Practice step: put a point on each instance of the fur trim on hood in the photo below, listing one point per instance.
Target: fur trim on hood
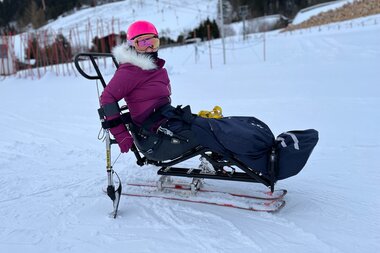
(124, 54)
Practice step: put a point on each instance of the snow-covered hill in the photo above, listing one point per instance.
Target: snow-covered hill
(52, 165)
(172, 17)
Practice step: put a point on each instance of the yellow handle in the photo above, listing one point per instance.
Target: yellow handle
(216, 113)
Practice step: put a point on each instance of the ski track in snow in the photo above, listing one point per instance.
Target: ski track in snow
(185, 222)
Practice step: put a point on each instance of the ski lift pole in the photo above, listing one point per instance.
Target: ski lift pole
(222, 28)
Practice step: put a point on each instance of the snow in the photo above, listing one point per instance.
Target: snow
(307, 13)
(256, 25)
(53, 167)
(172, 17)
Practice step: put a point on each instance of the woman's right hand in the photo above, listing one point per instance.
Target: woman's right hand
(126, 144)
(122, 137)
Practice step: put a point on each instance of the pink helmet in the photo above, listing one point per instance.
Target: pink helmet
(139, 28)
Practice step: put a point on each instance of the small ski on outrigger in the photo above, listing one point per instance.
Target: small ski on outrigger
(257, 201)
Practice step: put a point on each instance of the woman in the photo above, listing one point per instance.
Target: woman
(143, 82)
(140, 79)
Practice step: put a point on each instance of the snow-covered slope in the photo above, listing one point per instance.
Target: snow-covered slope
(52, 165)
(172, 17)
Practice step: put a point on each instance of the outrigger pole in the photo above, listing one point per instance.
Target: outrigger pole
(113, 193)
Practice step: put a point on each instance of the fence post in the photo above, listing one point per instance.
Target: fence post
(209, 44)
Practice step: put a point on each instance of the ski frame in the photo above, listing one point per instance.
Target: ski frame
(167, 168)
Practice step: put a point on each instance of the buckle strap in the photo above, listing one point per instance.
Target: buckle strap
(169, 112)
(185, 113)
(107, 124)
(123, 119)
(166, 132)
(155, 116)
(108, 110)
(113, 110)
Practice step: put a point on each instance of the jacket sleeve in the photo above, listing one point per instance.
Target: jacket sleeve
(114, 92)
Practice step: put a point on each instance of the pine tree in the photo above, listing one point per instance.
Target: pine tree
(10, 10)
(202, 30)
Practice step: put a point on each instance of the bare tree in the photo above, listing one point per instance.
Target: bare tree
(43, 5)
(33, 15)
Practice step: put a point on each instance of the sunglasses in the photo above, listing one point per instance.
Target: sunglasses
(143, 42)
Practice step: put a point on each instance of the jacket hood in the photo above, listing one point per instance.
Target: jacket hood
(124, 54)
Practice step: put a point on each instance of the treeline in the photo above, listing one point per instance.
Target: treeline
(62, 50)
(17, 14)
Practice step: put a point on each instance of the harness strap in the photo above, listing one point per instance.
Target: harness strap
(108, 110)
(107, 124)
(169, 112)
(155, 116)
(166, 111)
(123, 119)
(185, 114)
(112, 110)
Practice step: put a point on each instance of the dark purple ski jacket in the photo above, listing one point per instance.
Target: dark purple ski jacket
(142, 82)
